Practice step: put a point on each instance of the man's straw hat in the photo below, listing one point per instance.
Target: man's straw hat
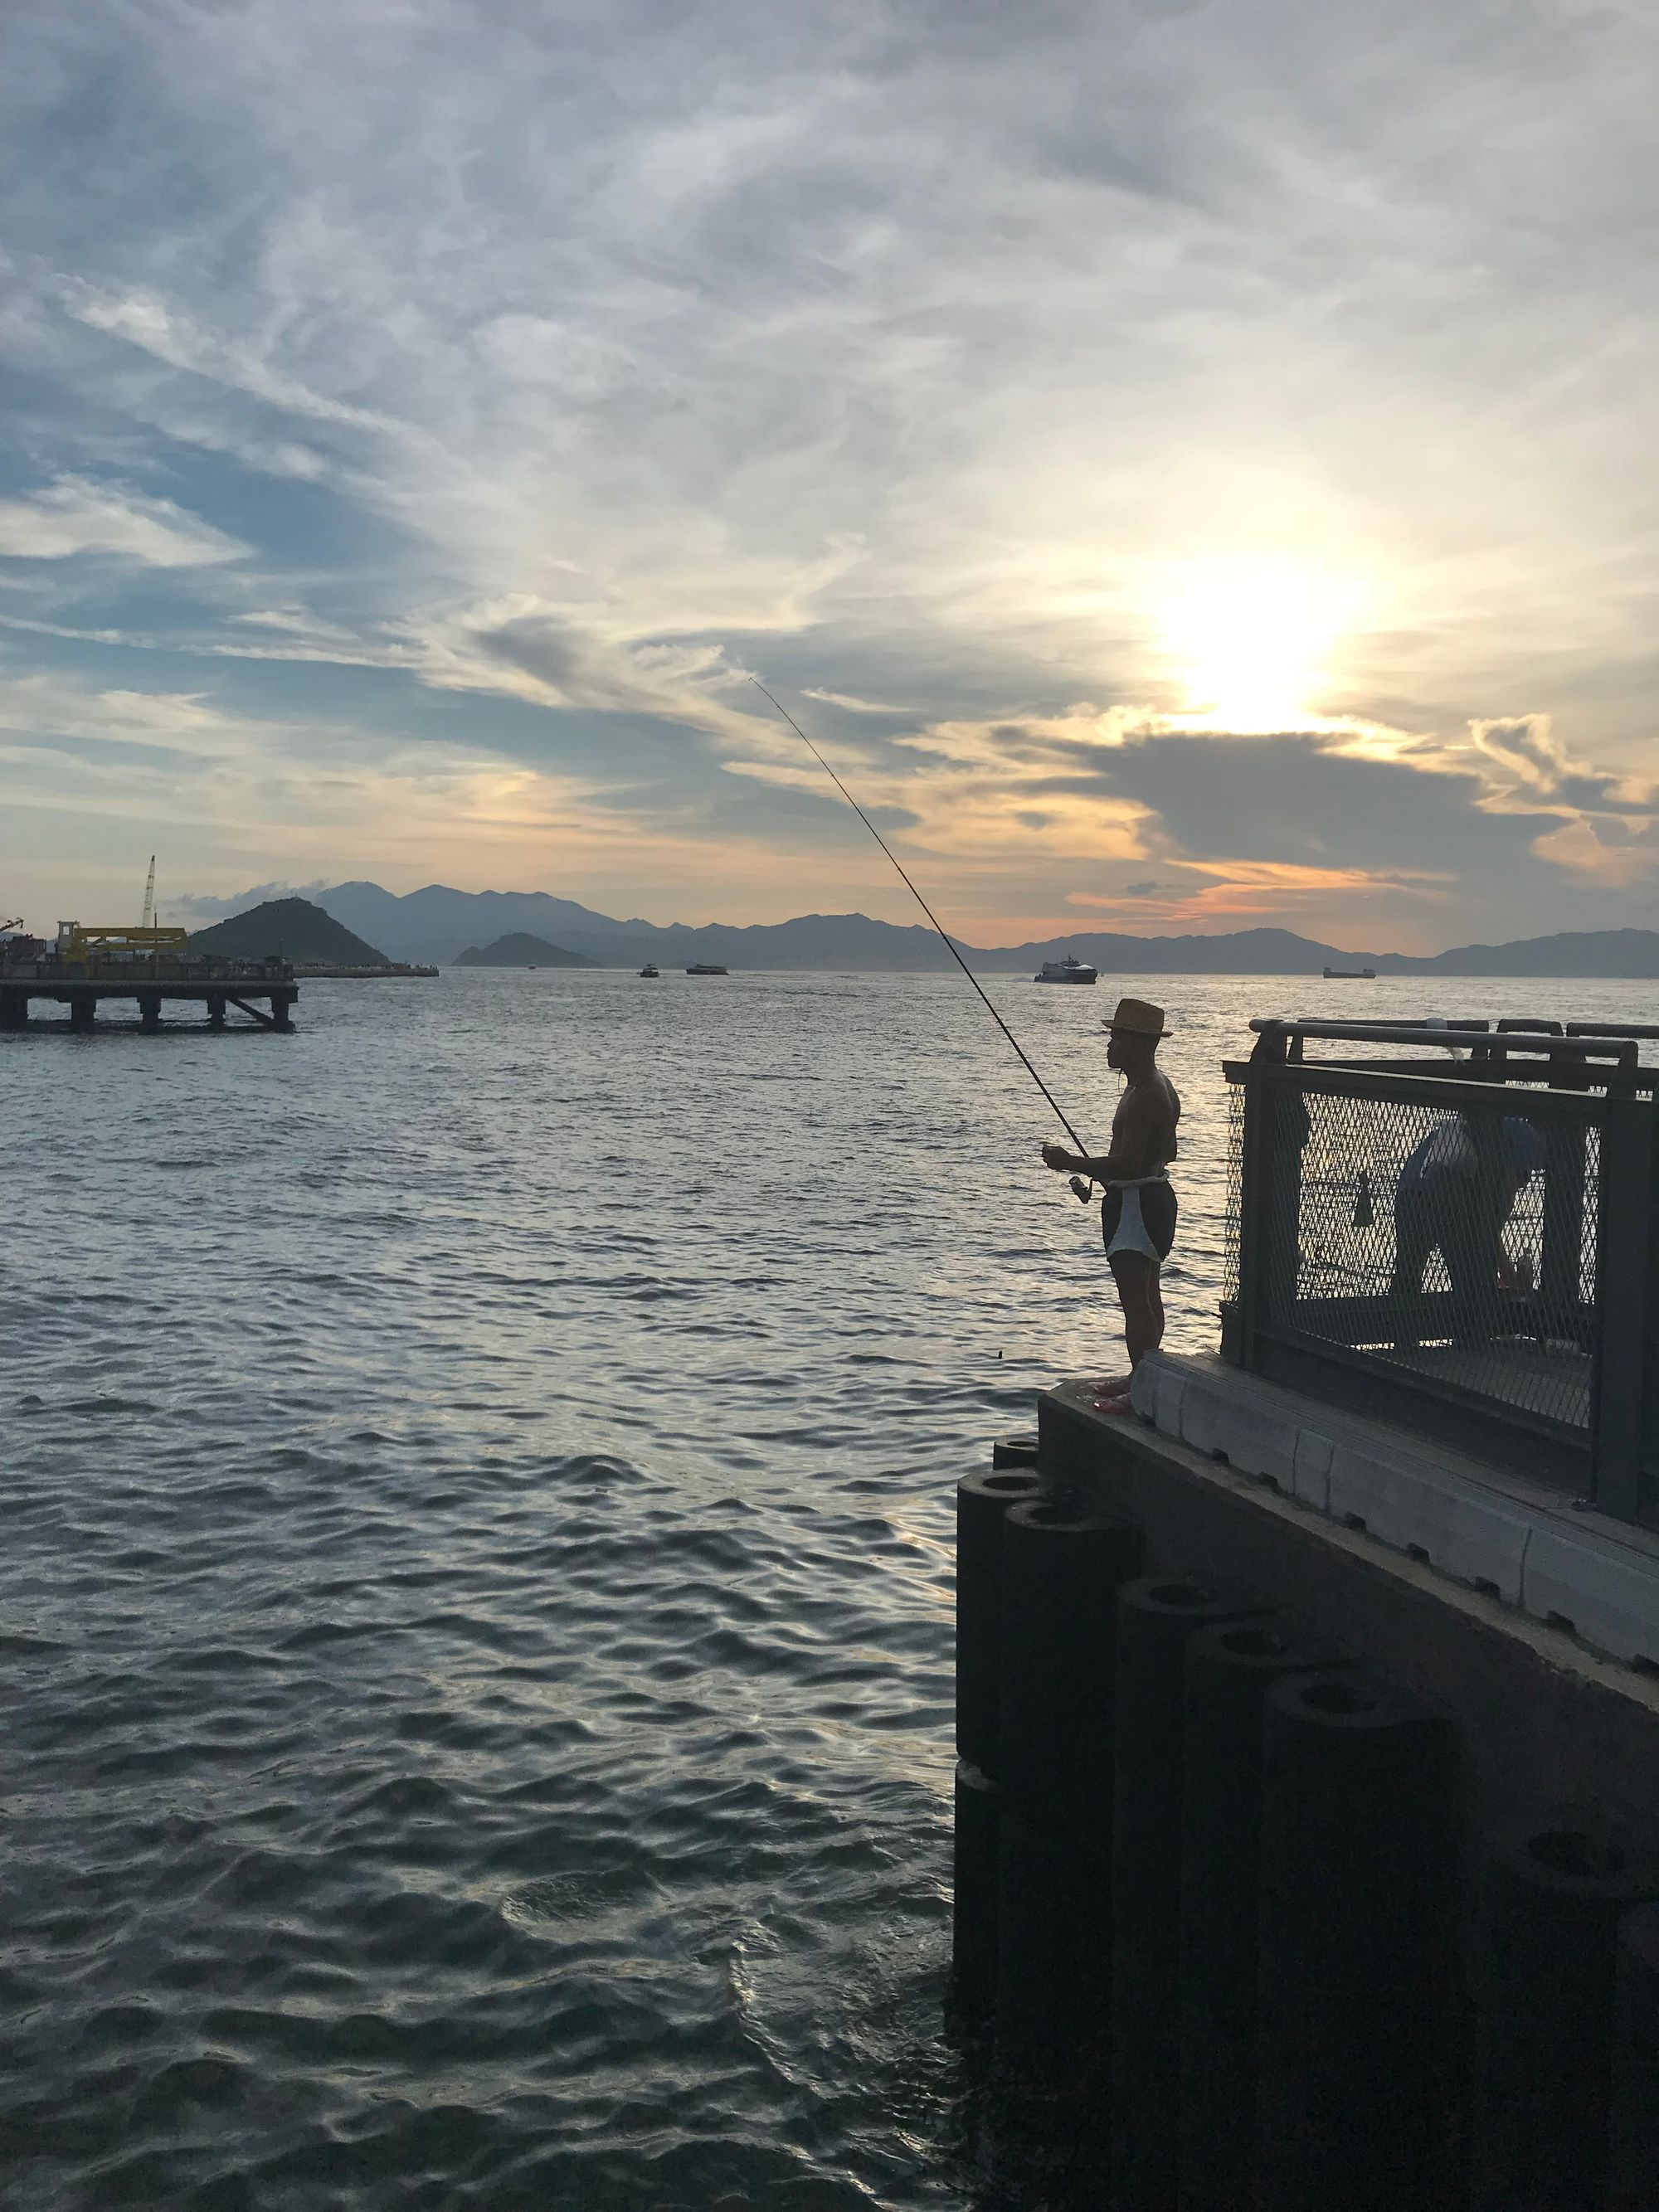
(1139, 1017)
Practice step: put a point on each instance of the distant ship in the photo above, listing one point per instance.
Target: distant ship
(1351, 975)
(1066, 971)
(649, 969)
(707, 968)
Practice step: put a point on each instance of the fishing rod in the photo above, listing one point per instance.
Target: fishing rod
(1077, 1183)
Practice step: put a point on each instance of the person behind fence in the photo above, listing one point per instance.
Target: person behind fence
(1455, 1195)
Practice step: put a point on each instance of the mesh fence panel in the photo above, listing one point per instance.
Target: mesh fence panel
(1459, 1245)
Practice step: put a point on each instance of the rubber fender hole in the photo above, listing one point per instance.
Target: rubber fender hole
(1220, 1457)
(1182, 1594)
(1419, 1552)
(1485, 1584)
(1056, 1514)
(1560, 1620)
(1570, 1850)
(1337, 1698)
(1354, 1521)
(1256, 1642)
(1013, 1481)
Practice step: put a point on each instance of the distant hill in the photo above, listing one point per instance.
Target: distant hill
(293, 929)
(518, 949)
(1633, 954)
(433, 924)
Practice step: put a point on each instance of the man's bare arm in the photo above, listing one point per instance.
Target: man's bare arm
(1132, 1135)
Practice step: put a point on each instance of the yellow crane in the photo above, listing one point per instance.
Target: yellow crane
(86, 941)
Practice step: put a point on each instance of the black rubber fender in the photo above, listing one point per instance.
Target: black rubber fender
(1014, 1451)
(1062, 1567)
(1551, 1892)
(1156, 1617)
(982, 1501)
(1359, 2034)
(974, 1899)
(1053, 1935)
(1633, 2133)
(1227, 1672)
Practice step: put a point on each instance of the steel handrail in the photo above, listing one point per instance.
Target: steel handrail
(1619, 1046)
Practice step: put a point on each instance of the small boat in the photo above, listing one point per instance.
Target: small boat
(707, 968)
(1066, 971)
(1351, 975)
(649, 969)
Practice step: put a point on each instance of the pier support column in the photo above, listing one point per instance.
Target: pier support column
(974, 1899)
(282, 1008)
(1062, 1569)
(1635, 2133)
(14, 1010)
(1547, 1946)
(1358, 2080)
(83, 1013)
(150, 1010)
(1156, 1620)
(982, 1501)
(215, 1006)
(1229, 1672)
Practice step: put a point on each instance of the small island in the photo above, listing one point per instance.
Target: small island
(519, 949)
(304, 935)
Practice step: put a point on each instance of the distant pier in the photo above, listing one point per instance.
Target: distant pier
(262, 992)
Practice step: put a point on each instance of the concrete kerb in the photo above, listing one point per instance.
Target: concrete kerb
(1503, 1536)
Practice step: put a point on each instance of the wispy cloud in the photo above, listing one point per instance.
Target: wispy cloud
(72, 516)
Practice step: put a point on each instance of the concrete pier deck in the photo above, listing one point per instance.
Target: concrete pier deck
(1534, 1623)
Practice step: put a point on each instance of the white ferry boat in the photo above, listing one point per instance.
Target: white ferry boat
(1066, 971)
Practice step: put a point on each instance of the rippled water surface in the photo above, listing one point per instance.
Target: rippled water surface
(476, 1633)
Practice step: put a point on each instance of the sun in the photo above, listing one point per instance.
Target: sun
(1250, 636)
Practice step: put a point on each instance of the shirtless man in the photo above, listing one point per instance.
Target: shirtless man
(1138, 1213)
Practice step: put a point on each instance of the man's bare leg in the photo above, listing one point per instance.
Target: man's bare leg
(1141, 1294)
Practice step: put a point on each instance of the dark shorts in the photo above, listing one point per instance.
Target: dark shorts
(1156, 1204)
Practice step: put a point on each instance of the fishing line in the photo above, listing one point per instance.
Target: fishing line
(1076, 1185)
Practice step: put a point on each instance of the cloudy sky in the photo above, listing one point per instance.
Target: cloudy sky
(1190, 463)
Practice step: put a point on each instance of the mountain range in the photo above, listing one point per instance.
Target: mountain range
(437, 923)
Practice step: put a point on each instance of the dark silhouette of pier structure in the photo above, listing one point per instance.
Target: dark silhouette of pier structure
(263, 991)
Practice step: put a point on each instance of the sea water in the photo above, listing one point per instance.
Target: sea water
(476, 1628)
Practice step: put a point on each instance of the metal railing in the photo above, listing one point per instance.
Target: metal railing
(1461, 1245)
(143, 969)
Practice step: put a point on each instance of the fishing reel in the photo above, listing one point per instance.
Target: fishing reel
(1082, 1192)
